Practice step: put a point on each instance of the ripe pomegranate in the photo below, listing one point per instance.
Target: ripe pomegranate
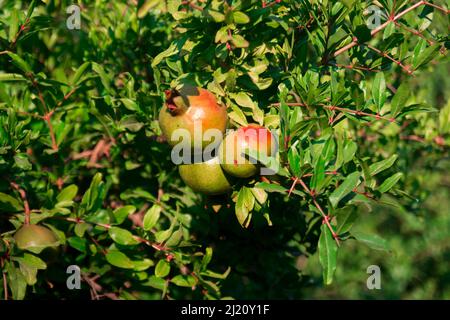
(35, 238)
(189, 107)
(231, 151)
(205, 177)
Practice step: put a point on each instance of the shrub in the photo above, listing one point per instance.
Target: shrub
(359, 120)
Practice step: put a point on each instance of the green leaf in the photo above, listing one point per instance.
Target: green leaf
(67, 194)
(93, 198)
(11, 77)
(207, 258)
(31, 261)
(162, 268)
(294, 161)
(327, 254)
(244, 100)
(104, 77)
(81, 228)
(400, 99)
(238, 116)
(13, 25)
(271, 187)
(259, 194)
(240, 17)
(379, 90)
(373, 241)
(151, 217)
(244, 206)
(239, 41)
(216, 16)
(122, 236)
(389, 182)
(144, 264)
(318, 177)
(172, 50)
(79, 73)
(19, 62)
(184, 280)
(119, 259)
(426, 56)
(8, 203)
(17, 282)
(30, 9)
(77, 243)
(120, 214)
(350, 183)
(382, 165)
(146, 7)
(175, 238)
(22, 162)
(216, 275)
(345, 220)
(155, 282)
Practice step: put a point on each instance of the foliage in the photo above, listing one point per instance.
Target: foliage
(361, 124)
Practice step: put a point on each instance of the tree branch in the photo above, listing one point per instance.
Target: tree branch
(384, 25)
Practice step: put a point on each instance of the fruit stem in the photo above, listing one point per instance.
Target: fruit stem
(26, 206)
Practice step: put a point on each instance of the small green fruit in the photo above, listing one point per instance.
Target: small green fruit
(205, 177)
(35, 238)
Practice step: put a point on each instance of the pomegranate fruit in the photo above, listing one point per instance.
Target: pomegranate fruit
(35, 238)
(194, 110)
(231, 151)
(205, 177)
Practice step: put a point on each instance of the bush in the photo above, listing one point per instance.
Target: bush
(357, 95)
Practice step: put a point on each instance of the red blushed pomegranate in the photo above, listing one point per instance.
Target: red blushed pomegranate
(231, 151)
(195, 110)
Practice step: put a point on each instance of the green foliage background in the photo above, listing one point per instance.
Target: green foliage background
(366, 130)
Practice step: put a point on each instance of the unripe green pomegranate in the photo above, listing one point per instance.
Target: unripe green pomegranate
(194, 109)
(205, 177)
(232, 149)
(35, 238)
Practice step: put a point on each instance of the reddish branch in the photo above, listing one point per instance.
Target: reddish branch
(384, 54)
(266, 5)
(23, 28)
(5, 283)
(351, 111)
(192, 5)
(26, 206)
(392, 18)
(156, 246)
(102, 148)
(326, 218)
(353, 67)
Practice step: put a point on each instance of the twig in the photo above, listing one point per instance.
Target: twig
(326, 217)
(23, 28)
(26, 206)
(353, 67)
(5, 282)
(354, 112)
(48, 114)
(156, 246)
(384, 25)
(293, 186)
(384, 54)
